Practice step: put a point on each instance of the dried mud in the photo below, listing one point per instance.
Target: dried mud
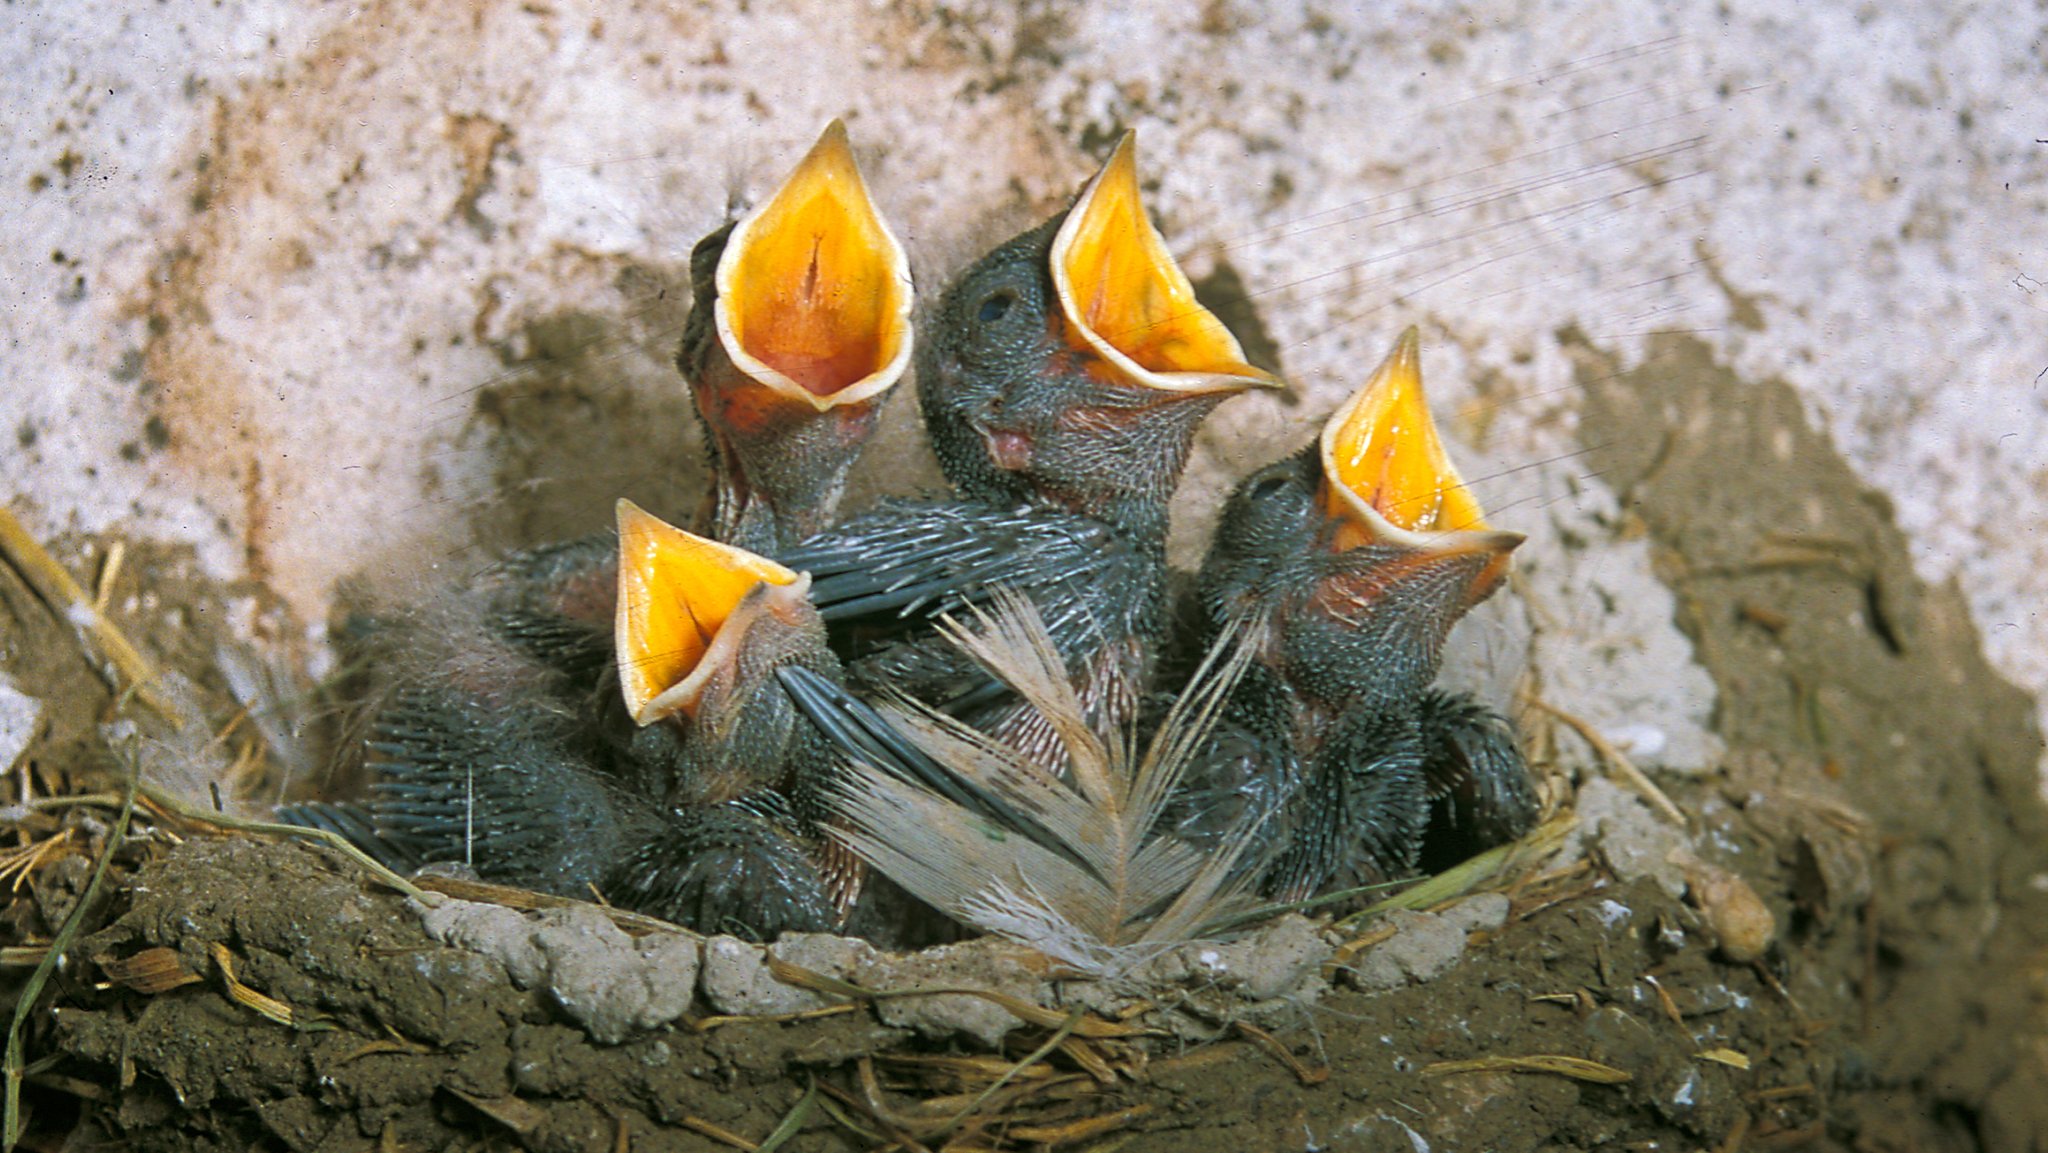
(1879, 793)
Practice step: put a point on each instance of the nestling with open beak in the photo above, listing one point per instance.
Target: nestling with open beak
(682, 783)
(1062, 378)
(799, 327)
(703, 629)
(1347, 565)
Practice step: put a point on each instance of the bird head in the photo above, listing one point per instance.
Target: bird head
(701, 625)
(1357, 555)
(800, 326)
(1072, 364)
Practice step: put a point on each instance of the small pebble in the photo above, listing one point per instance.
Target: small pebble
(1738, 917)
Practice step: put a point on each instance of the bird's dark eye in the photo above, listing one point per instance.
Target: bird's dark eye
(1268, 486)
(995, 307)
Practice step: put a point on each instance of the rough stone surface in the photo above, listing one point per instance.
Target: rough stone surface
(502, 934)
(1423, 946)
(737, 979)
(1283, 958)
(1479, 913)
(19, 716)
(598, 975)
(1630, 837)
(609, 983)
(981, 964)
(1600, 645)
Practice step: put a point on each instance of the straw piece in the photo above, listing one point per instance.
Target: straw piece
(74, 606)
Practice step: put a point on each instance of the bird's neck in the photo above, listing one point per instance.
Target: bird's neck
(1138, 516)
(1125, 479)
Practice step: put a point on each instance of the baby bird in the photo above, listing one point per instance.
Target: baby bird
(799, 327)
(681, 782)
(1345, 566)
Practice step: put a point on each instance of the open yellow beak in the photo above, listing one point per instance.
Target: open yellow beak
(681, 600)
(813, 290)
(1386, 476)
(1121, 291)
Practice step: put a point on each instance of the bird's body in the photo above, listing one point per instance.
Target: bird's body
(677, 780)
(884, 576)
(1345, 567)
(643, 715)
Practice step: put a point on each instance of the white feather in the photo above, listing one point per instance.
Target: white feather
(1123, 889)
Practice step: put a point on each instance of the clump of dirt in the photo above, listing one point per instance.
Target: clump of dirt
(1879, 798)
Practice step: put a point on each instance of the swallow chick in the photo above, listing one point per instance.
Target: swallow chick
(680, 782)
(799, 327)
(1346, 566)
(703, 628)
(1061, 382)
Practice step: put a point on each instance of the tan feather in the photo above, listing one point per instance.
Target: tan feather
(1110, 888)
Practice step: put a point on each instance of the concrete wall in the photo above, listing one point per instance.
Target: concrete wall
(328, 290)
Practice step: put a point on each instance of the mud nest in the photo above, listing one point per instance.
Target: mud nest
(1838, 943)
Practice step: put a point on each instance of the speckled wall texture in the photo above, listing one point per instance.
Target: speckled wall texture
(376, 289)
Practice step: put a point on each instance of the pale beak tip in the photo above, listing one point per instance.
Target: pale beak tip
(630, 516)
(1406, 358)
(1122, 166)
(833, 151)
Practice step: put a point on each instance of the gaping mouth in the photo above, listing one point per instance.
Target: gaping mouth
(684, 602)
(1386, 476)
(814, 291)
(1121, 291)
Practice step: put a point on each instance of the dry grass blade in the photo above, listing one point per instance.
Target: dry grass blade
(1619, 761)
(31, 989)
(1089, 1059)
(719, 1021)
(791, 1122)
(1087, 1026)
(900, 1130)
(152, 971)
(717, 1133)
(85, 1090)
(17, 864)
(833, 1109)
(1093, 882)
(395, 1045)
(999, 1107)
(1065, 1030)
(1733, 1058)
(1271, 1044)
(1082, 1130)
(1577, 1068)
(1348, 951)
(520, 1117)
(263, 1003)
(70, 602)
(1469, 876)
(962, 1069)
(172, 806)
(638, 924)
